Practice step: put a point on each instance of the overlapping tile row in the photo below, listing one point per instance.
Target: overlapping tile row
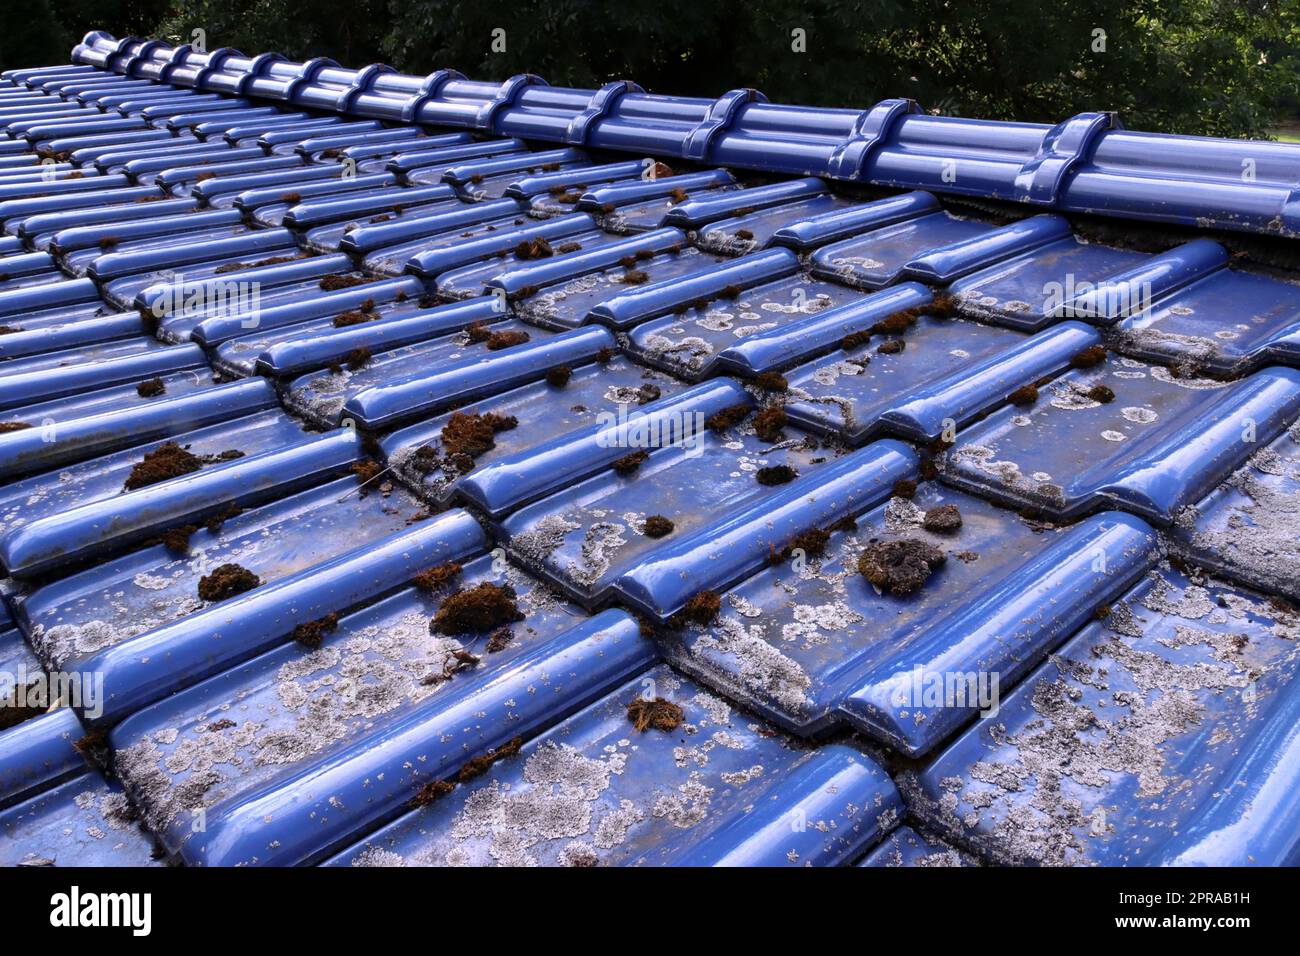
(1087, 163)
(424, 499)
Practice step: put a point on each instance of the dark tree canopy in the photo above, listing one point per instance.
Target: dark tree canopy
(1221, 67)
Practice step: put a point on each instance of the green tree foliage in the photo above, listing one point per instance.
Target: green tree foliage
(1195, 66)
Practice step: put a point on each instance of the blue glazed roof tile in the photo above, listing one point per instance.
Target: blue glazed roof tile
(1152, 442)
(1131, 745)
(719, 791)
(905, 847)
(1245, 528)
(896, 410)
(810, 648)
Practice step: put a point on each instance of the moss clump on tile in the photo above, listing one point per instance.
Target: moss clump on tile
(226, 581)
(1101, 393)
(629, 463)
(1089, 357)
(769, 422)
(430, 792)
(436, 578)
(776, 475)
(168, 460)
(312, 633)
(702, 609)
(339, 281)
(150, 388)
(178, 539)
(942, 519)
(1024, 395)
(899, 567)
(482, 608)
(366, 470)
(772, 381)
(537, 248)
(479, 765)
(496, 341)
(657, 526)
(474, 434)
(727, 418)
(811, 542)
(659, 714)
(904, 488)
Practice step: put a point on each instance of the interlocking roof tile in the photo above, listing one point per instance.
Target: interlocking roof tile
(436, 471)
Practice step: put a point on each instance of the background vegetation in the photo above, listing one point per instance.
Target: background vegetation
(1221, 67)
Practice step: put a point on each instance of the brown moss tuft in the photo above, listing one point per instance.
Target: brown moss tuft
(430, 792)
(772, 381)
(812, 543)
(352, 317)
(333, 283)
(358, 358)
(214, 522)
(13, 427)
(226, 581)
(438, 577)
(497, 341)
(855, 340)
(727, 418)
(472, 435)
(151, 388)
(891, 347)
(904, 488)
(537, 248)
(635, 277)
(1092, 355)
(178, 539)
(559, 376)
(479, 765)
(899, 567)
(776, 475)
(657, 526)
(1101, 393)
(943, 307)
(659, 713)
(168, 460)
(744, 234)
(629, 463)
(1024, 395)
(769, 422)
(482, 608)
(943, 519)
(701, 609)
(312, 633)
(93, 745)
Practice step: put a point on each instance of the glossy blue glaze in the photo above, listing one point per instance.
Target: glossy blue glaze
(1117, 779)
(1158, 446)
(741, 796)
